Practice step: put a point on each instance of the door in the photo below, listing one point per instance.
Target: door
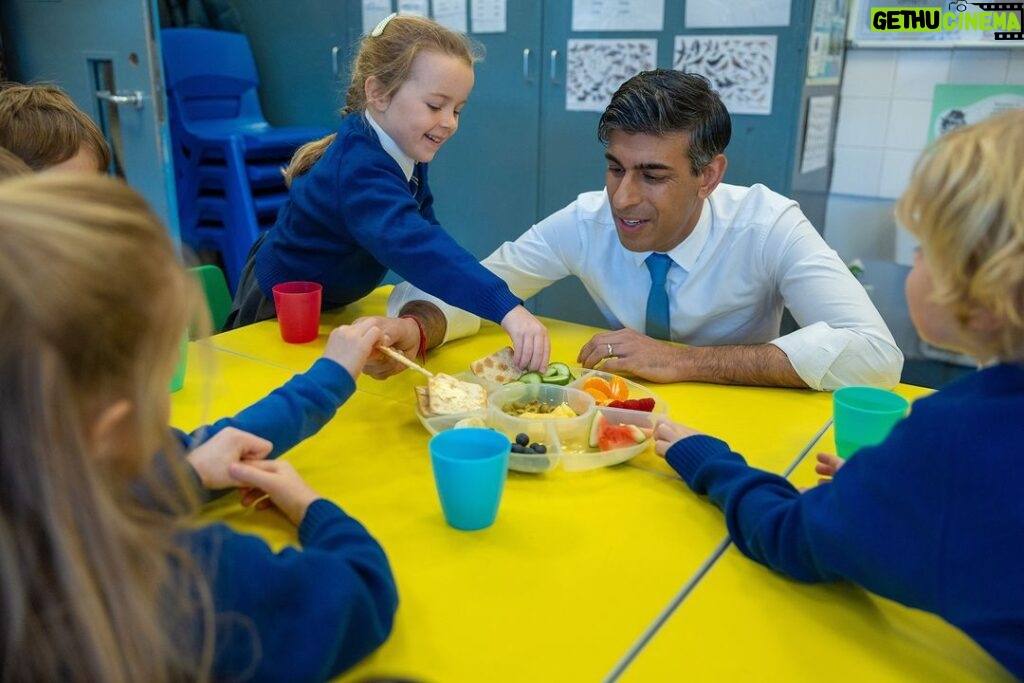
(105, 55)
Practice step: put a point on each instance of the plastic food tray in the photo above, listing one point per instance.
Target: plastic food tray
(565, 438)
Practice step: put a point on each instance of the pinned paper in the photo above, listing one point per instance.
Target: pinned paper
(596, 68)
(741, 68)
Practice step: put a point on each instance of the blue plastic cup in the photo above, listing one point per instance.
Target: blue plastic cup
(469, 470)
(864, 416)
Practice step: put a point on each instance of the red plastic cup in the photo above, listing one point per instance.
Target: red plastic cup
(298, 310)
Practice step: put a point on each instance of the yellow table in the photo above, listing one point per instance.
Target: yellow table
(745, 622)
(578, 565)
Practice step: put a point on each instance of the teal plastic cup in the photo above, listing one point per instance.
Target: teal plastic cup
(469, 470)
(864, 416)
(178, 380)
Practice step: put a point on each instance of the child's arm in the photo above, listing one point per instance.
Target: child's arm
(299, 614)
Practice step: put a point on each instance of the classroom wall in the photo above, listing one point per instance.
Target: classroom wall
(884, 111)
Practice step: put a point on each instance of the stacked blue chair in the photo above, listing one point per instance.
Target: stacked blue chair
(227, 158)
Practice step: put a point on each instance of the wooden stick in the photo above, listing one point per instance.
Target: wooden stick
(390, 352)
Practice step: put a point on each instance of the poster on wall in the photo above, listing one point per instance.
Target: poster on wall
(417, 7)
(817, 133)
(736, 13)
(618, 15)
(451, 13)
(741, 68)
(488, 16)
(373, 12)
(596, 68)
(959, 105)
(826, 43)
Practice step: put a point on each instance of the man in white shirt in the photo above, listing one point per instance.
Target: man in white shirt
(736, 256)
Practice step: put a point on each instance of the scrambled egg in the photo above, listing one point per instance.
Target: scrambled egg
(561, 411)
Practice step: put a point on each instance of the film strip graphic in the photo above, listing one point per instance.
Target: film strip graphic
(1001, 7)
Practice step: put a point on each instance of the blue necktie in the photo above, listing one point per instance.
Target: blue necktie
(657, 301)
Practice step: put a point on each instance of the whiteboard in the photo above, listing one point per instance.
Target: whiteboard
(859, 33)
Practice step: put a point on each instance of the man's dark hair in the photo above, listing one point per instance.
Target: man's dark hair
(666, 101)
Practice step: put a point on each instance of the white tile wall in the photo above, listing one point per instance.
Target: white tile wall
(908, 124)
(862, 122)
(978, 66)
(884, 112)
(917, 72)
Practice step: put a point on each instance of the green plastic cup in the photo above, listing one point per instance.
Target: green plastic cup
(864, 416)
(178, 380)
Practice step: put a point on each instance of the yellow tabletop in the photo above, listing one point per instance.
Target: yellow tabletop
(744, 622)
(577, 566)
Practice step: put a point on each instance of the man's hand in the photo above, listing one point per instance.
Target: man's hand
(401, 334)
(277, 481)
(212, 459)
(530, 341)
(667, 433)
(628, 351)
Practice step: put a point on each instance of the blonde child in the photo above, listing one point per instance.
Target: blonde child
(360, 202)
(43, 126)
(932, 517)
(98, 587)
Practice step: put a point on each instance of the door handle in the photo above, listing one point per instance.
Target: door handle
(132, 97)
(334, 60)
(554, 67)
(526, 65)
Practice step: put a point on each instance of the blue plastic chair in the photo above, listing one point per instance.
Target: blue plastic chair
(227, 157)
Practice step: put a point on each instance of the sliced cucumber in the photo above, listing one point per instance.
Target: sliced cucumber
(531, 378)
(558, 373)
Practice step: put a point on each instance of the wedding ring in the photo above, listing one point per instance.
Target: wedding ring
(611, 352)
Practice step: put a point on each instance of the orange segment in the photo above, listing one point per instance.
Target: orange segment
(599, 396)
(598, 384)
(619, 390)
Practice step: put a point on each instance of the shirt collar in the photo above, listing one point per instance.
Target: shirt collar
(685, 253)
(405, 162)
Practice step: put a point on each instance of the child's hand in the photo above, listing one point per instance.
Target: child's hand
(212, 459)
(827, 466)
(401, 334)
(278, 480)
(350, 345)
(667, 432)
(530, 342)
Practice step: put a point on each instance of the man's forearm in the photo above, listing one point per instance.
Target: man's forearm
(756, 365)
(430, 318)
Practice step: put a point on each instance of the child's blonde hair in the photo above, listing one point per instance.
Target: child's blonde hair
(93, 305)
(44, 126)
(388, 56)
(11, 164)
(965, 203)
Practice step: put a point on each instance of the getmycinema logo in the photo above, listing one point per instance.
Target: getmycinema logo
(999, 17)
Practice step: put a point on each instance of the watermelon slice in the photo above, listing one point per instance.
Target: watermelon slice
(606, 436)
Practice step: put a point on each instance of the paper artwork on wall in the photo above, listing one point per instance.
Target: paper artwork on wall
(595, 69)
(618, 15)
(956, 105)
(417, 7)
(373, 12)
(488, 16)
(451, 13)
(736, 13)
(741, 68)
(817, 133)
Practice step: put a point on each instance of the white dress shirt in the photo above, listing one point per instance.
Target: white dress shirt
(751, 253)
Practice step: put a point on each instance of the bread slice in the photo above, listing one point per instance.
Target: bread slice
(423, 399)
(497, 367)
(449, 395)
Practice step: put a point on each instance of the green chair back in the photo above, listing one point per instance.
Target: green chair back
(218, 296)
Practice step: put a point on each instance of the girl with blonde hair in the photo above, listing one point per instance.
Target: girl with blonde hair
(932, 516)
(99, 584)
(360, 203)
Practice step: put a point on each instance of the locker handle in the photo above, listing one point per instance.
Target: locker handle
(526, 65)
(554, 67)
(334, 60)
(132, 97)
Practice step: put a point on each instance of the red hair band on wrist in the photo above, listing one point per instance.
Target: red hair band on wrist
(421, 352)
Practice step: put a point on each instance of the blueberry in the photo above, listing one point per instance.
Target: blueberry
(516, 448)
(539, 448)
(522, 439)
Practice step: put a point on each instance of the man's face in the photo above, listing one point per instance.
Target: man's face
(655, 197)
